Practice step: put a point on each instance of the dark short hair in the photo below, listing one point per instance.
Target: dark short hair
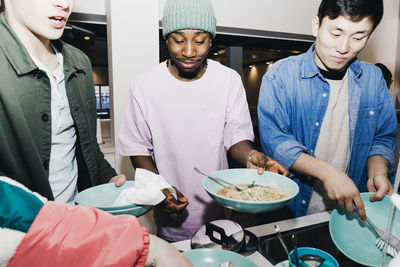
(387, 75)
(356, 10)
(1, 5)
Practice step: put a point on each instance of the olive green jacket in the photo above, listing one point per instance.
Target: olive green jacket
(25, 116)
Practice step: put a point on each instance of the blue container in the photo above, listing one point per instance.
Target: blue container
(330, 261)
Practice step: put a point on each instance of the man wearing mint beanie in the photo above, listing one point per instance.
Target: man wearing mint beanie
(186, 112)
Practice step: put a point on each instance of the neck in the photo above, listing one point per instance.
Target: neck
(185, 76)
(333, 75)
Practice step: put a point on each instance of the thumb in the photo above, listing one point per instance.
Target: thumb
(180, 196)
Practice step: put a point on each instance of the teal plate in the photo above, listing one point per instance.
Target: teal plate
(208, 257)
(103, 196)
(136, 210)
(283, 264)
(355, 239)
(247, 176)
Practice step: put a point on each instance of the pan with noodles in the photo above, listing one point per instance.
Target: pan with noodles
(267, 192)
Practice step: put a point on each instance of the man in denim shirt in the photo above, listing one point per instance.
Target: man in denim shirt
(328, 116)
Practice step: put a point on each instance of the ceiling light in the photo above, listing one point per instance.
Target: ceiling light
(220, 52)
(87, 38)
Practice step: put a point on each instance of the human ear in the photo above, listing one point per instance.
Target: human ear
(315, 24)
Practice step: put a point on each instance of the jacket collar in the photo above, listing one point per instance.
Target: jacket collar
(309, 67)
(19, 57)
(14, 50)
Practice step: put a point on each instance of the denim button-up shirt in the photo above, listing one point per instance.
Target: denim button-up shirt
(292, 104)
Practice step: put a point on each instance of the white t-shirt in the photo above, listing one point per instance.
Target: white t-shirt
(63, 168)
(184, 125)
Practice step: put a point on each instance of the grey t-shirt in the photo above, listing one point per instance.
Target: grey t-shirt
(333, 141)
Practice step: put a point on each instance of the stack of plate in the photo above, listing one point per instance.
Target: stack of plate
(103, 196)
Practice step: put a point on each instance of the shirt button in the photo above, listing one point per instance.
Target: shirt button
(372, 112)
(317, 124)
(324, 95)
(37, 74)
(303, 202)
(46, 164)
(45, 117)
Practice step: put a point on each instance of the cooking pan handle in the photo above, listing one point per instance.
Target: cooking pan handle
(211, 228)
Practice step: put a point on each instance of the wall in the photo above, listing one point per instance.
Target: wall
(291, 16)
(97, 7)
(128, 24)
(384, 42)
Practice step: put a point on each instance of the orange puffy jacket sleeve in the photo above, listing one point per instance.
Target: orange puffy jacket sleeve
(63, 235)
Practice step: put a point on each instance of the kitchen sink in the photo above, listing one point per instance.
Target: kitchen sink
(316, 236)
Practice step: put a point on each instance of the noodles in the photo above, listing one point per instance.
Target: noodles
(253, 192)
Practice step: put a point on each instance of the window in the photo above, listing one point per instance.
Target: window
(102, 101)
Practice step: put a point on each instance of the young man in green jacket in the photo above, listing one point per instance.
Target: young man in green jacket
(47, 104)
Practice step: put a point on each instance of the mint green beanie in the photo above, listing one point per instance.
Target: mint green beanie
(188, 14)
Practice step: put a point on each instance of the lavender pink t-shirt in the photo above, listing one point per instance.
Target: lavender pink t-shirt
(184, 125)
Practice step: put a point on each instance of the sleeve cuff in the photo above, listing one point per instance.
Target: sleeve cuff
(146, 243)
(385, 153)
(288, 152)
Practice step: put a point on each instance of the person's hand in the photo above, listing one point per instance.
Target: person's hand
(341, 188)
(172, 205)
(118, 180)
(380, 185)
(162, 253)
(262, 162)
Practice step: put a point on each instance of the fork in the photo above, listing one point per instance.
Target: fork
(383, 237)
(278, 232)
(218, 179)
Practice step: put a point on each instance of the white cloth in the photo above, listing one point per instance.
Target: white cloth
(63, 167)
(147, 190)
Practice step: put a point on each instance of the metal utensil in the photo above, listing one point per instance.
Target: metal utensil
(218, 179)
(383, 237)
(278, 232)
(296, 254)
